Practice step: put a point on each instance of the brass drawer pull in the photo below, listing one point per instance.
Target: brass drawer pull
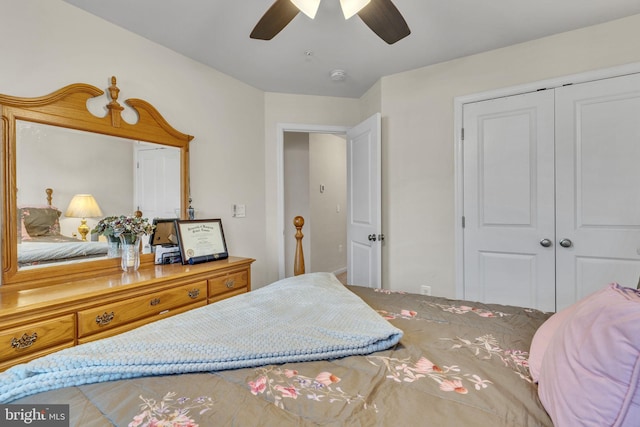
(25, 341)
(194, 293)
(155, 301)
(229, 283)
(105, 319)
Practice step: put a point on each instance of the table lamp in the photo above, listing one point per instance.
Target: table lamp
(83, 206)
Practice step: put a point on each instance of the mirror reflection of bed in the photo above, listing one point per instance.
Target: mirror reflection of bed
(41, 241)
(123, 176)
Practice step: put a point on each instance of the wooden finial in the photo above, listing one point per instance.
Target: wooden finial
(114, 91)
(49, 192)
(115, 109)
(298, 264)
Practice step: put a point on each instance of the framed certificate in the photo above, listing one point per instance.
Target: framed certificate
(201, 240)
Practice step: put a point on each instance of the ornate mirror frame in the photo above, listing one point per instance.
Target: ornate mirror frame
(67, 108)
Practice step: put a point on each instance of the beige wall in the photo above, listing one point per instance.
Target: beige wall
(328, 225)
(371, 101)
(418, 137)
(49, 44)
(56, 156)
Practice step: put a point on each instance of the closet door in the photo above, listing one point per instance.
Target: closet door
(598, 186)
(508, 155)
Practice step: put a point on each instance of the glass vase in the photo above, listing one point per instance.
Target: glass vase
(130, 252)
(113, 250)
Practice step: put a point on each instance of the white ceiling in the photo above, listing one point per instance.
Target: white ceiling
(300, 59)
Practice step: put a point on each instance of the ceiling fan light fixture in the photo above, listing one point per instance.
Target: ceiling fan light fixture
(351, 7)
(308, 7)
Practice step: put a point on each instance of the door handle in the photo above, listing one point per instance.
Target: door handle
(545, 243)
(381, 237)
(566, 243)
(372, 237)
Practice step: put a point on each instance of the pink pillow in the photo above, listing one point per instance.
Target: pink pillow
(543, 336)
(590, 372)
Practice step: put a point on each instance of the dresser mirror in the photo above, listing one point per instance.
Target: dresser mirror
(57, 146)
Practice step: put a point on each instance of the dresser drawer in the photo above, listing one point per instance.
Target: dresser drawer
(110, 316)
(232, 281)
(132, 325)
(28, 357)
(226, 295)
(37, 336)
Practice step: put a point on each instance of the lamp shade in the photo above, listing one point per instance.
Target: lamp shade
(308, 7)
(83, 206)
(351, 7)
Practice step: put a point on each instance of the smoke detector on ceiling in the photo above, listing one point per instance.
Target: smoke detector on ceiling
(338, 75)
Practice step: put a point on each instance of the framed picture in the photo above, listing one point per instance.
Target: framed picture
(164, 233)
(201, 240)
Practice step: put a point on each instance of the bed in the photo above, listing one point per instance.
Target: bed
(41, 242)
(424, 360)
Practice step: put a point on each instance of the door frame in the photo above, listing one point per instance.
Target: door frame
(458, 103)
(281, 128)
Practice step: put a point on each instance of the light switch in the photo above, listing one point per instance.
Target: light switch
(239, 211)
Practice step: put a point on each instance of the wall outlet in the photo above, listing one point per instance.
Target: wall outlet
(425, 290)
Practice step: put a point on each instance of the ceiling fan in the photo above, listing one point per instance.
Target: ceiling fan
(382, 16)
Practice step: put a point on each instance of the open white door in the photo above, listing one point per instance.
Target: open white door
(364, 216)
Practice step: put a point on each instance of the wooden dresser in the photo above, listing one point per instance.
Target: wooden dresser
(38, 321)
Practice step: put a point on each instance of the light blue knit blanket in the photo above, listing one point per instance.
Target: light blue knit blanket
(304, 318)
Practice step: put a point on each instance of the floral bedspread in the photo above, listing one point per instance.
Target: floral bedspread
(458, 364)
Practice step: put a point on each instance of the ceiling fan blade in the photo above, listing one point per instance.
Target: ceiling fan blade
(384, 19)
(274, 20)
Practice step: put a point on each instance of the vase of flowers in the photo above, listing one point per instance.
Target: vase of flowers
(130, 252)
(129, 231)
(104, 228)
(113, 250)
